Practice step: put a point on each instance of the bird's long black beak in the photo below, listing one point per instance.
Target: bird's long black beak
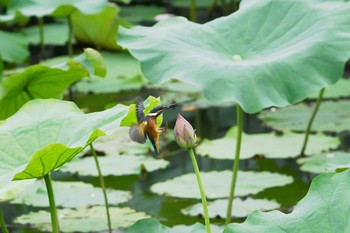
(170, 106)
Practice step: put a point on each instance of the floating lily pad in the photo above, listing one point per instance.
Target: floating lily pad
(69, 195)
(39, 81)
(327, 162)
(271, 145)
(248, 182)
(123, 73)
(98, 29)
(333, 116)
(82, 219)
(40, 8)
(273, 59)
(325, 208)
(338, 90)
(54, 34)
(196, 228)
(153, 225)
(13, 48)
(45, 134)
(116, 165)
(241, 207)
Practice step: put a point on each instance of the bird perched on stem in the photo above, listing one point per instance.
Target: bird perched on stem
(147, 127)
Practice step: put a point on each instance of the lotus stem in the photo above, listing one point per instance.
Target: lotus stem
(2, 223)
(54, 218)
(70, 37)
(193, 13)
(201, 189)
(239, 113)
(70, 52)
(41, 35)
(311, 120)
(103, 186)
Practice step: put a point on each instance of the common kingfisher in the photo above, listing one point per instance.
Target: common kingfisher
(147, 127)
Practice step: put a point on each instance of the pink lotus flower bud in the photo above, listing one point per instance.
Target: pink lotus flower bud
(184, 133)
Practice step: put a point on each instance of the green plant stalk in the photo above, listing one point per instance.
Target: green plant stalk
(311, 120)
(70, 37)
(41, 35)
(2, 223)
(201, 189)
(70, 52)
(235, 163)
(193, 13)
(103, 186)
(54, 218)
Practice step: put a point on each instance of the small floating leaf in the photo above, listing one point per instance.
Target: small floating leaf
(241, 207)
(54, 34)
(116, 165)
(153, 225)
(270, 145)
(69, 195)
(59, 8)
(123, 73)
(248, 182)
(333, 116)
(13, 48)
(83, 219)
(328, 162)
(340, 89)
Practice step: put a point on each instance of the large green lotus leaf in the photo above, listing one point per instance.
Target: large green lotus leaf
(325, 209)
(153, 225)
(331, 117)
(325, 162)
(123, 73)
(40, 8)
(139, 13)
(45, 134)
(339, 90)
(69, 195)
(39, 81)
(54, 34)
(270, 145)
(280, 53)
(13, 48)
(97, 29)
(117, 165)
(248, 182)
(241, 207)
(149, 103)
(83, 219)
